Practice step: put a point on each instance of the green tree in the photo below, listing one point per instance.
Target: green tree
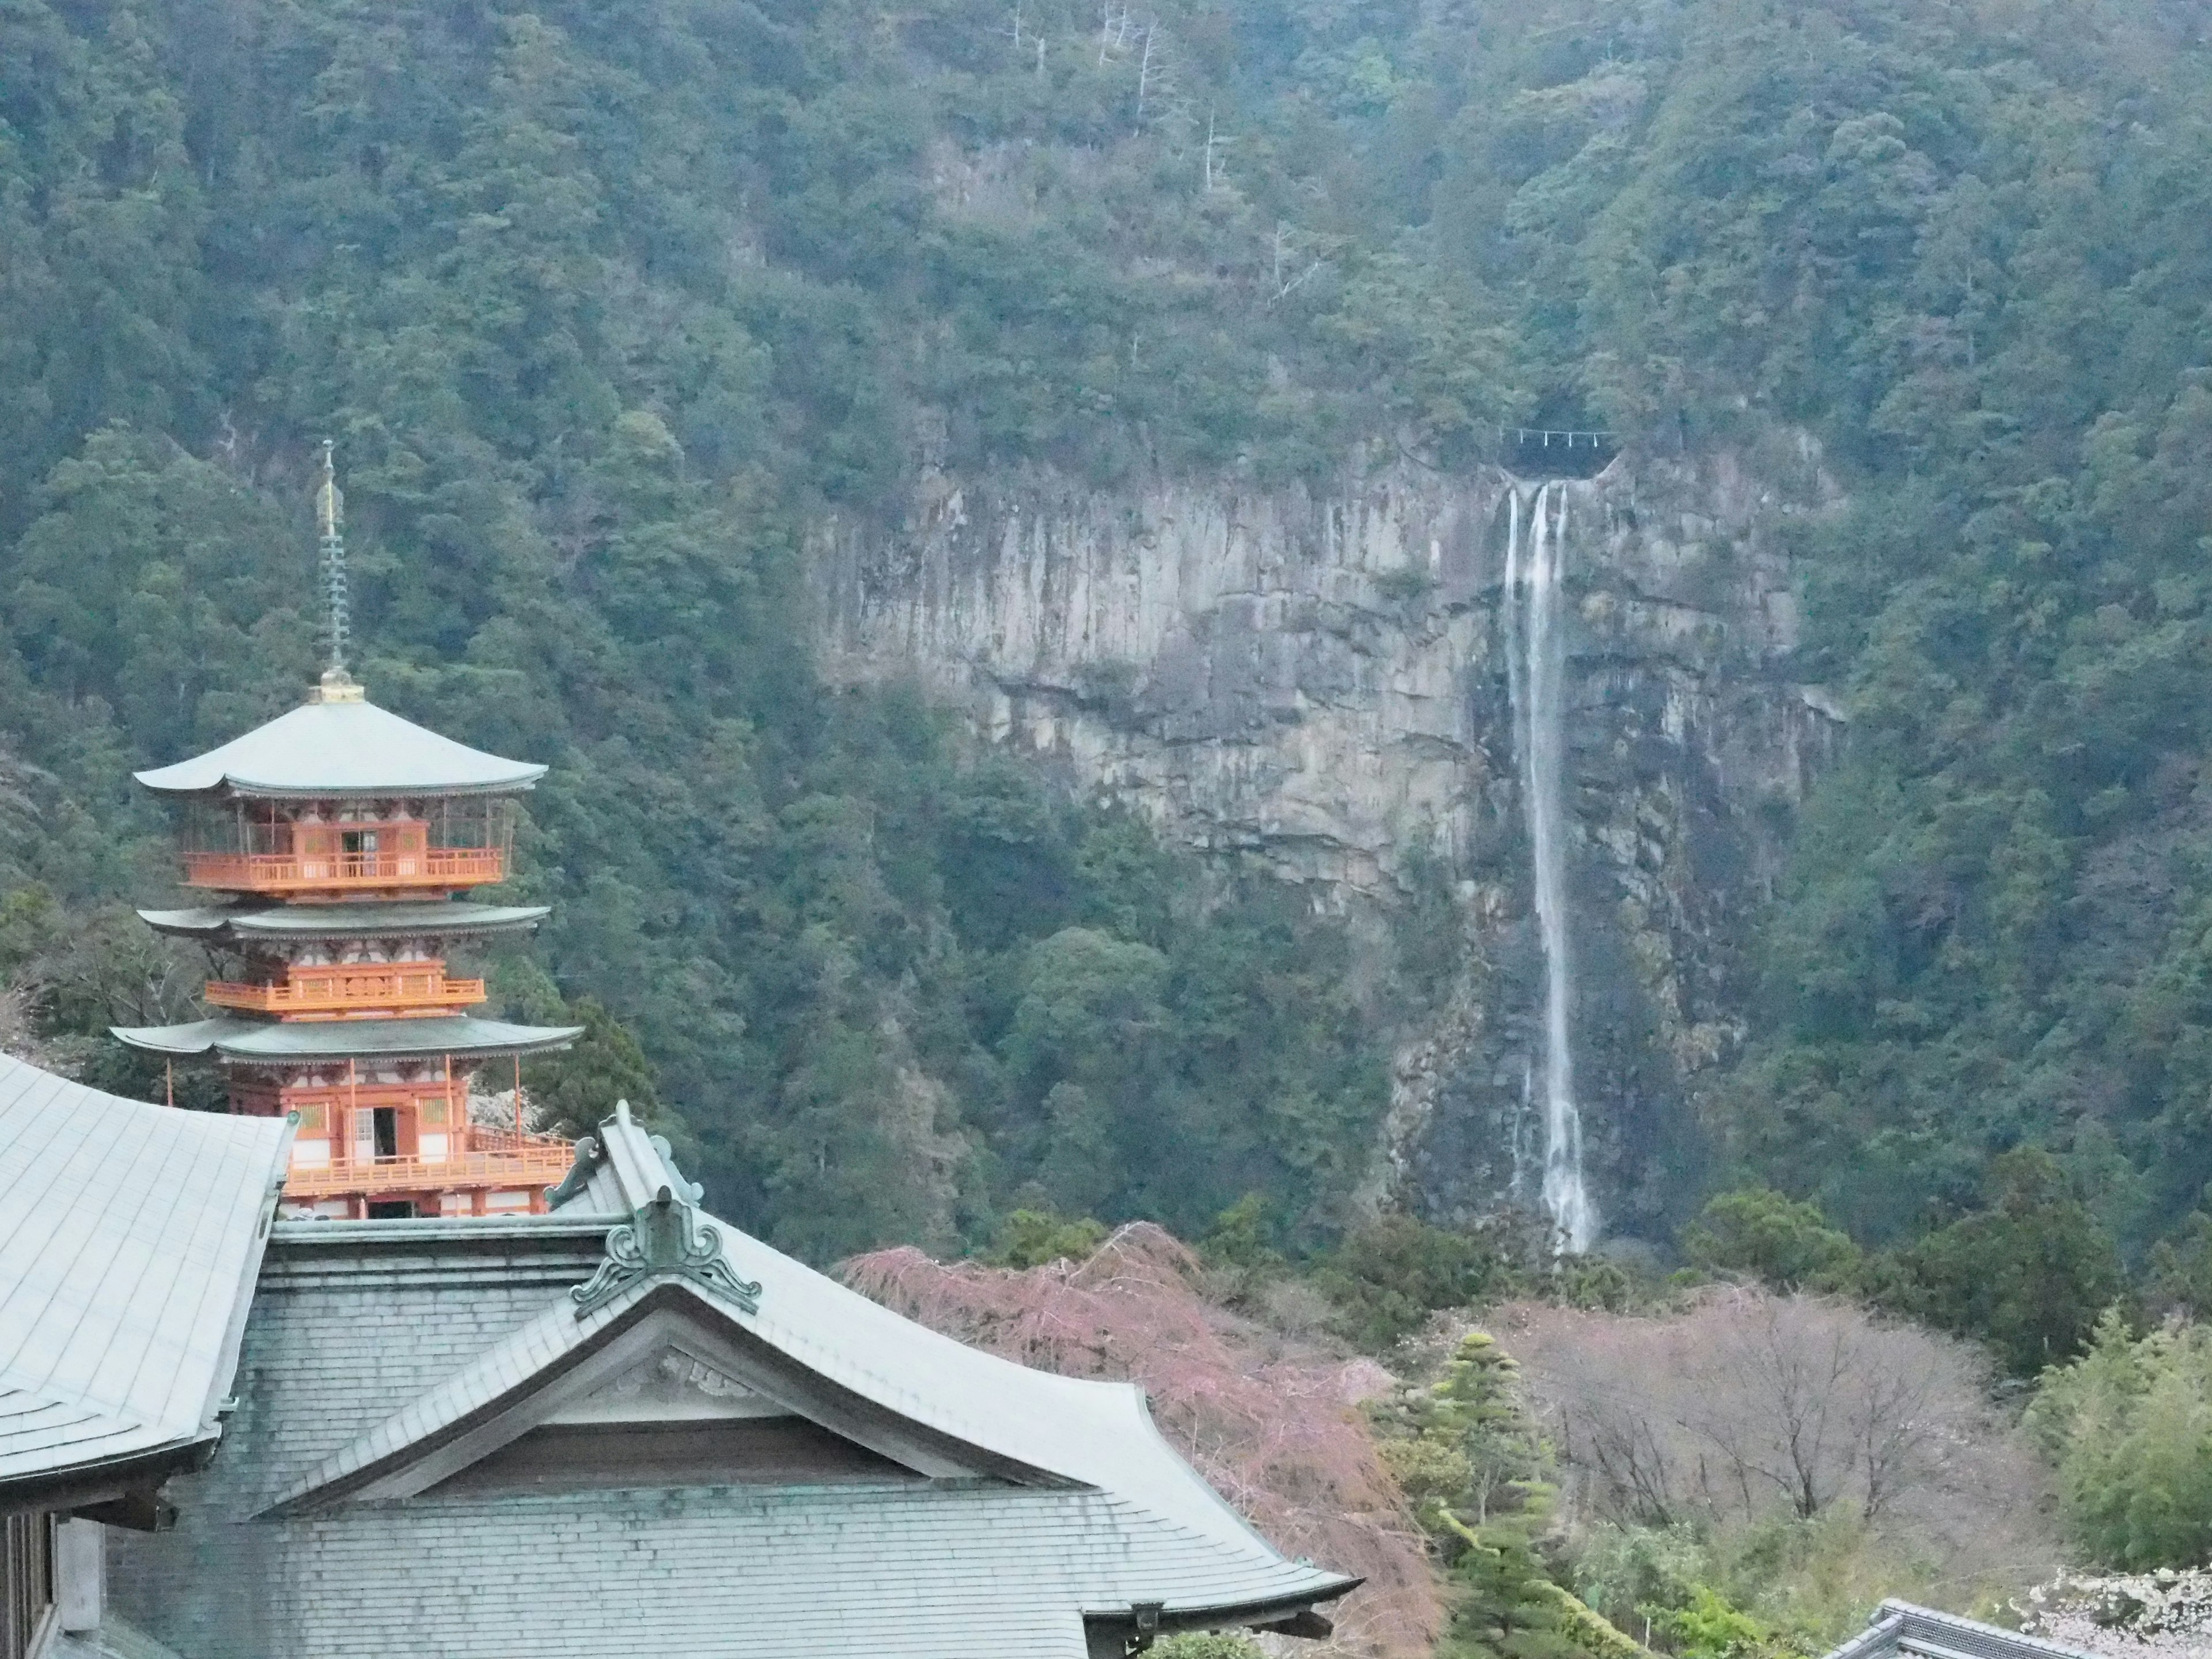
(2180, 1279)
(1779, 1241)
(1388, 1275)
(1471, 1458)
(2030, 1274)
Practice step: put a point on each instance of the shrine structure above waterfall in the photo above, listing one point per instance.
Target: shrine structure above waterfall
(335, 844)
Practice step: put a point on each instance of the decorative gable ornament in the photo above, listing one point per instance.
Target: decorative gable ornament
(664, 1239)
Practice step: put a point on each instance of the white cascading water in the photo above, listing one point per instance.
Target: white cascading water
(1536, 678)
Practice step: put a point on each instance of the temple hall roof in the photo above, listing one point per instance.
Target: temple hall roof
(627, 1426)
(325, 750)
(1900, 1630)
(293, 1041)
(130, 1238)
(442, 919)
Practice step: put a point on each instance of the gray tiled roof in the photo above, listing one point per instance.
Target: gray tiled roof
(1900, 1630)
(389, 1340)
(556, 1331)
(279, 1040)
(818, 1572)
(129, 1237)
(1098, 1433)
(341, 748)
(442, 918)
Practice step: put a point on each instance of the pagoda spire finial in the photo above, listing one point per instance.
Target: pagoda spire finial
(338, 685)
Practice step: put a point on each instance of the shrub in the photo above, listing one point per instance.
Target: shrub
(1207, 1644)
(1036, 1238)
(2129, 1425)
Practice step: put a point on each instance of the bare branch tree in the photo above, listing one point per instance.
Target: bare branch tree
(1144, 71)
(1113, 29)
(1271, 1425)
(1280, 286)
(1747, 1404)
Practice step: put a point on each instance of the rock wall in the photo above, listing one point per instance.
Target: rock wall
(1317, 679)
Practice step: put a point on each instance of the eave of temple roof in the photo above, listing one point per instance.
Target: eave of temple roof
(292, 1041)
(442, 919)
(341, 750)
(130, 1238)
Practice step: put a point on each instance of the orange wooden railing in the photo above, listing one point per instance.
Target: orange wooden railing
(402, 989)
(281, 872)
(541, 1163)
(494, 1138)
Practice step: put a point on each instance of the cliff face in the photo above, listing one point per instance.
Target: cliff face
(1321, 681)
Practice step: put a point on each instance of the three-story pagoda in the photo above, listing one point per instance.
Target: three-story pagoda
(336, 844)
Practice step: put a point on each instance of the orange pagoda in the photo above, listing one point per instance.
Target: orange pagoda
(334, 847)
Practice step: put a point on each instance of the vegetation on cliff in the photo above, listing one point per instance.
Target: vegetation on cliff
(602, 302)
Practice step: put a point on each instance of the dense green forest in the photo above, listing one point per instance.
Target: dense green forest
(603, 303)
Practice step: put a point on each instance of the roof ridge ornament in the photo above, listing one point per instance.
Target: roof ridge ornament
(663, 1238)
(336, 685)
(590, 1154)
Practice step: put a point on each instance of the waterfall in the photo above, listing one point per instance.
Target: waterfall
(1536, 678)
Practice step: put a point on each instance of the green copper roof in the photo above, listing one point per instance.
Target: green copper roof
(276, 1042)
(362, 921)
(390, 1357)
(340, 750)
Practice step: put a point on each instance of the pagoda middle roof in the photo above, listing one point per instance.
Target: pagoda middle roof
(365, 920)
(342, 749)
(276, 1042)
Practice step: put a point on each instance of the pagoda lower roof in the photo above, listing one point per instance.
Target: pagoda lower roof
(364, 918)
(278, 1043)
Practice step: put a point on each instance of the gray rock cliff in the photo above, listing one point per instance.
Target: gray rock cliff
(1318, 680)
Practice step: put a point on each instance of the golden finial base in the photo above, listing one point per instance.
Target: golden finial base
(336, 686)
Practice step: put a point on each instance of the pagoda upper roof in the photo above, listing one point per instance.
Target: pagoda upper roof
(276, 1042)
(363, 920)
(331, 749)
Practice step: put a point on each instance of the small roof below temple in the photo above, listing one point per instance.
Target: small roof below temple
(296, 1042)
(342, 749)
(1900, 1630)
(130, 1238)
(235, 923)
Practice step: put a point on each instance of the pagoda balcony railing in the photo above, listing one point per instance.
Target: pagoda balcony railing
(537, 1163)
(390, 989)
(288, 873)
(495, 1137)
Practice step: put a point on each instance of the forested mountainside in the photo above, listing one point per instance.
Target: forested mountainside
(607, 305)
